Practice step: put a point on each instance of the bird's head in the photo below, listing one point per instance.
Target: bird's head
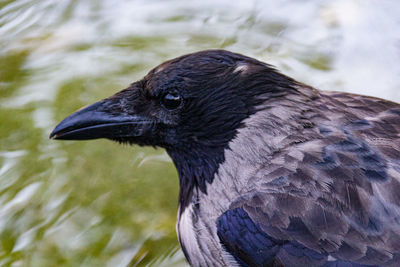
(192, 106)
(198, 99)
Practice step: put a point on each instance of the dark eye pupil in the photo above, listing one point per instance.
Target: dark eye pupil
(171, 100)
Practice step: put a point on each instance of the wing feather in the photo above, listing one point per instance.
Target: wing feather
(337, 195)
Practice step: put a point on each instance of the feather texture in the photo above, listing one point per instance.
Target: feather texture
(271, 171)
(334, 190)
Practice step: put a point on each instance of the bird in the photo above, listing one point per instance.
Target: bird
(272, 172)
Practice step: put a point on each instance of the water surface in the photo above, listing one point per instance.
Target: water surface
(102, 204)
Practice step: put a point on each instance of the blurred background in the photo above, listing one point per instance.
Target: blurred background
(98, 203)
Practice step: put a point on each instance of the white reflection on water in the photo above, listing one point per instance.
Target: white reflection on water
(359, 37)
(155, 158)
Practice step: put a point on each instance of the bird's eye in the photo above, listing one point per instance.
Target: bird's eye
(171, 100)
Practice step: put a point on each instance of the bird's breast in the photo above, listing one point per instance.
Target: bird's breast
(197, 234)
(186, 233)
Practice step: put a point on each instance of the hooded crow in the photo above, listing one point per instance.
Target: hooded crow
(272, 172)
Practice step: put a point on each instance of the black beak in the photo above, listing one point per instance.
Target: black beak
(99, 120)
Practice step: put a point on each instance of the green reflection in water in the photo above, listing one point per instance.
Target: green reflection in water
(12, 73)
(78, 203)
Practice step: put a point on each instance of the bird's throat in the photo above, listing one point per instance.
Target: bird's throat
(196, 168)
